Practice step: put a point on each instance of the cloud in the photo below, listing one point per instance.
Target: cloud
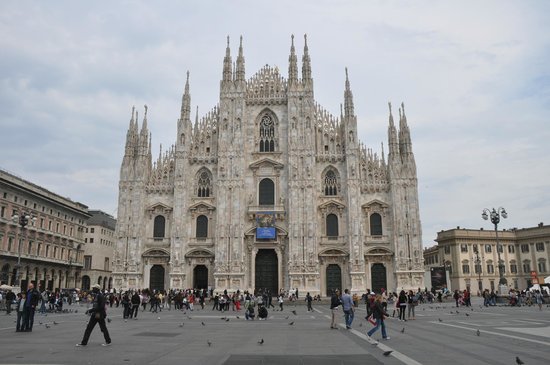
(474, 78)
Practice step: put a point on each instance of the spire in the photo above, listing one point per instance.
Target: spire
(131, 135)
(392, 136)
(306, 63)
(383, 154)
(227, 76)
(348, 98)
(292, 63)
(186, 101)
(405, 144)
(144, 124)
(240, 63)
(196, 120)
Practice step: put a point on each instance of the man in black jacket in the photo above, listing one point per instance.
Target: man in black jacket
(97, 315)
(30, 305)
(136, 301)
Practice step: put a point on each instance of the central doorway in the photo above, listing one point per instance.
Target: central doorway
(378, 275)
(156, 281)
(334, 278)
(200, 277)
(267, 271)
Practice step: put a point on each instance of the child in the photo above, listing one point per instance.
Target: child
(20, 313)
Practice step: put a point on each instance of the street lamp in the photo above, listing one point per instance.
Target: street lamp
(495, 215)
(478, 268)
(22, 220)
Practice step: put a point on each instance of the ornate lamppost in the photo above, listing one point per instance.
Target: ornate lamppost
(23, 220)
(495, 215)
(478, 268)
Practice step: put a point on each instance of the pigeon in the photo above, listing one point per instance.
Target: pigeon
(440, 320)
(287, 317)
(518, 361)
(227, 319)
(181, 324)
(457, 312)
(478, 332)
(291, 323)
(109, 320)
(40, 323)
(403, 330)
(54, 322)
(203, 324)
(158, 318)
(188, 317)
(209, 343)
(76, 310)
(467, 315)
(47, 325)
(294, 312)
(387, 353)
(238, 317)
(261, 342)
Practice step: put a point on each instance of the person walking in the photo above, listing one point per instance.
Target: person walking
(347, 305)
(412, 301)
(135, 305)
(309, 299)
(10, 297)
(281, 300)
(334, 307)
(378, 313)
(97, 315)
(539, 298)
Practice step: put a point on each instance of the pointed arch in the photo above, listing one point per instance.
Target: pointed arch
(331, 181)
(204, 183)
(267, 123)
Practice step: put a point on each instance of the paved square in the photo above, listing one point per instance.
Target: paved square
(202, 337)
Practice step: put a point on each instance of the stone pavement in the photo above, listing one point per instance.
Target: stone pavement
(174, 337)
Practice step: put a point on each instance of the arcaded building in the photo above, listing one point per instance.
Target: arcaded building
(269, 189)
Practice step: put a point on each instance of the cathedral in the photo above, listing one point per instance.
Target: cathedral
(268, 190)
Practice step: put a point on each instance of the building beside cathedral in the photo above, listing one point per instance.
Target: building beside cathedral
(268, 190)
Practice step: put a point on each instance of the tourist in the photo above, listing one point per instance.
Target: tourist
(539, 299)
(347, 305)
(97, 315)
(31, 302)
(20, 309)
(402, 300)
(378, 313)
(412, 301)
(281, 300)
(10, 297)
(334, 307)
(309, 299)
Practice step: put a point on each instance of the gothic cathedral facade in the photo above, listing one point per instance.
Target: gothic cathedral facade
(268, 190)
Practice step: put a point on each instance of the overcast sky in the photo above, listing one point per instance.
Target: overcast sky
(474, 76)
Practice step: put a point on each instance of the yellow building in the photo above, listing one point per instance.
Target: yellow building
(470, 257)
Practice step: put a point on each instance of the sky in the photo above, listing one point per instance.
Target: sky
(474, 77)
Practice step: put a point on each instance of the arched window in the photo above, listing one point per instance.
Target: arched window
(204, 185)
(332, 225)
(331, 183)
(202, 226)
(267, 134)
(375, 224)
(266, 192)
(158, 230)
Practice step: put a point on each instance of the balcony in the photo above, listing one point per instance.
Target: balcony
(376, 240)
(333, 240)
(158, 242)
(278, 210)
(201, 241)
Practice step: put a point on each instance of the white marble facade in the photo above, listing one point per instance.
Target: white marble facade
(345, 216)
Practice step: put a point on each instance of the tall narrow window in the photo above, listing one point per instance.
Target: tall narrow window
(332, 225)
(266, 193)
(267, 134)
(375, 224)
(204, 185)
(331, 183)
(159, 225)
(202, 226)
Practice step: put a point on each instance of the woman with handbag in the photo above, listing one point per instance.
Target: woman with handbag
(378, 313)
